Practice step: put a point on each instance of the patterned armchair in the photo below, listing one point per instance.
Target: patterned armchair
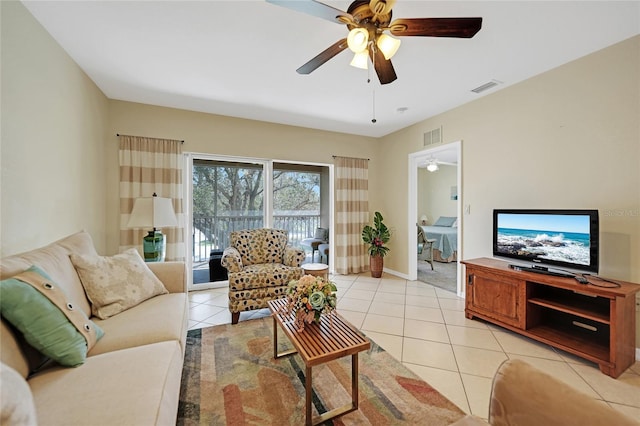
(260, 266)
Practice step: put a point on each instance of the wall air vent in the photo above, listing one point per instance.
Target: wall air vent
(486, 86)
(433, 137)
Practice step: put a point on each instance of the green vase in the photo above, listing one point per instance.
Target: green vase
(153, 247)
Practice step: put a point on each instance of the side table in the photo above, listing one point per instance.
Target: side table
(316, 269)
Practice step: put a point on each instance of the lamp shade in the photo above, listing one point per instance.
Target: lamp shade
(154, 212)
(424, 219)
(358, 39)
(360, 60)
(388, 45)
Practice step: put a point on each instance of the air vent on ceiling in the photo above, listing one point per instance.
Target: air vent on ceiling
(486, 86)
(433, 136)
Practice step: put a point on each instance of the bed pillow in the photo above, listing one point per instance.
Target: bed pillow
(117, 283)
(42, 323)
(445, 221)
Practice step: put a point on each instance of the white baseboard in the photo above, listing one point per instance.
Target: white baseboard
(396, 273)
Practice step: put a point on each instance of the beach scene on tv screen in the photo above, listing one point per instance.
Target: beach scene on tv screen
(563, 238)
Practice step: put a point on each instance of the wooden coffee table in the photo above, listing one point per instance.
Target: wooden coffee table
(317, 344)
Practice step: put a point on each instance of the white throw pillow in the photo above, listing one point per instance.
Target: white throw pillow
(117, 283)
(16, 400)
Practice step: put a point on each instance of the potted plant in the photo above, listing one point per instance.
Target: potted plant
(376, 236)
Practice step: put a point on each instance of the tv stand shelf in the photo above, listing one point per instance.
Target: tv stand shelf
(595, 323)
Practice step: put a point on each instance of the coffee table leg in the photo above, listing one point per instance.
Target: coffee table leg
(277, 355)
(354, 381)
(275, 338)
(336, 412)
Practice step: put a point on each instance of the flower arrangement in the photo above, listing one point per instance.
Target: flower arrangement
(309, 297)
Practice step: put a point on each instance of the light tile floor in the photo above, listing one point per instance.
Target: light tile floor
(425, 328)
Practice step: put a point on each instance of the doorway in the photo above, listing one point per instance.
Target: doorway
(435, 201)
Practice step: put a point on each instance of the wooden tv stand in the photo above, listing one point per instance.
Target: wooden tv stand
(594, 323)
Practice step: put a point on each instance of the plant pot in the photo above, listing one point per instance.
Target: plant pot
(376, 263)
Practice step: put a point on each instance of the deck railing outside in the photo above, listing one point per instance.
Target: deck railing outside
(213, 232)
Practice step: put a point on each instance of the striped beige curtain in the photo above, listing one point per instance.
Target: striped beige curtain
(149, 165)
(352, 214)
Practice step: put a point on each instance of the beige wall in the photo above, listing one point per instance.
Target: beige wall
(568, 138)
(214, 134)
(53, 126)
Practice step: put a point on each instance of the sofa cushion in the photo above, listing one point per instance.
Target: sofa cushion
(264, 275)
(54, 258)
(135, 386)
(160, 318)
(16, 400)
(43, 324)
(116, 283)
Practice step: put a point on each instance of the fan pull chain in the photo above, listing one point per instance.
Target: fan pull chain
(373, 106)
(373, 120)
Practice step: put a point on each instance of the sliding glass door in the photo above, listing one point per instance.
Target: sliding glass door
(229, 194)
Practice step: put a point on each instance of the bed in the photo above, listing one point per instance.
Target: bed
(445, 233)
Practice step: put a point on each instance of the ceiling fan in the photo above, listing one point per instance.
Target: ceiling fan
(368, 22)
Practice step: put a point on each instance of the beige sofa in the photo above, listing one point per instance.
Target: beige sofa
(522, 395)
(130, 377)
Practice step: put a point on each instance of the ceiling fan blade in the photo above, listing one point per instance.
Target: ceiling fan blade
(384, 67)
(313, 8)
(436, 27)
(323, 57)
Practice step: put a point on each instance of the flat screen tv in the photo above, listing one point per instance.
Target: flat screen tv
(555, 238)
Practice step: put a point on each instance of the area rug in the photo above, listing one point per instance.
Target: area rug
(443, 275)
(230, 377)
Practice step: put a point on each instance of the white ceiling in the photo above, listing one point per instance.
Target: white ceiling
(238, 58)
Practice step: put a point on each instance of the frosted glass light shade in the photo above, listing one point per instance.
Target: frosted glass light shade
(152, 212)
(358, 39)
(432, 166)
(360, 60)
(388, 45)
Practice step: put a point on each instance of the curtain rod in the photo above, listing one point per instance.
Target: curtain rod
(118, 134)
(368, 159)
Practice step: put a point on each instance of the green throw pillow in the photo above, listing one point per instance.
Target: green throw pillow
(42, 323)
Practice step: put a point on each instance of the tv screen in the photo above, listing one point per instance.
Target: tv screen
(564, 238)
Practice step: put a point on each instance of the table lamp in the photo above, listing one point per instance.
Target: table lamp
(157, 213)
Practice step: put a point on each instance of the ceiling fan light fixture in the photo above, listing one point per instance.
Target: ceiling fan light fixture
(360, 60)
(432, 165)
(381, 6)
(388, 45)
(358, 39)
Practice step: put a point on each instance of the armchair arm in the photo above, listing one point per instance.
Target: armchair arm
(172, 274)
(293, 256)
(525, 396)
(231, 260)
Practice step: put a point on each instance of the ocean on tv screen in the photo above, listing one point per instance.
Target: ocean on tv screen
(568, 247)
